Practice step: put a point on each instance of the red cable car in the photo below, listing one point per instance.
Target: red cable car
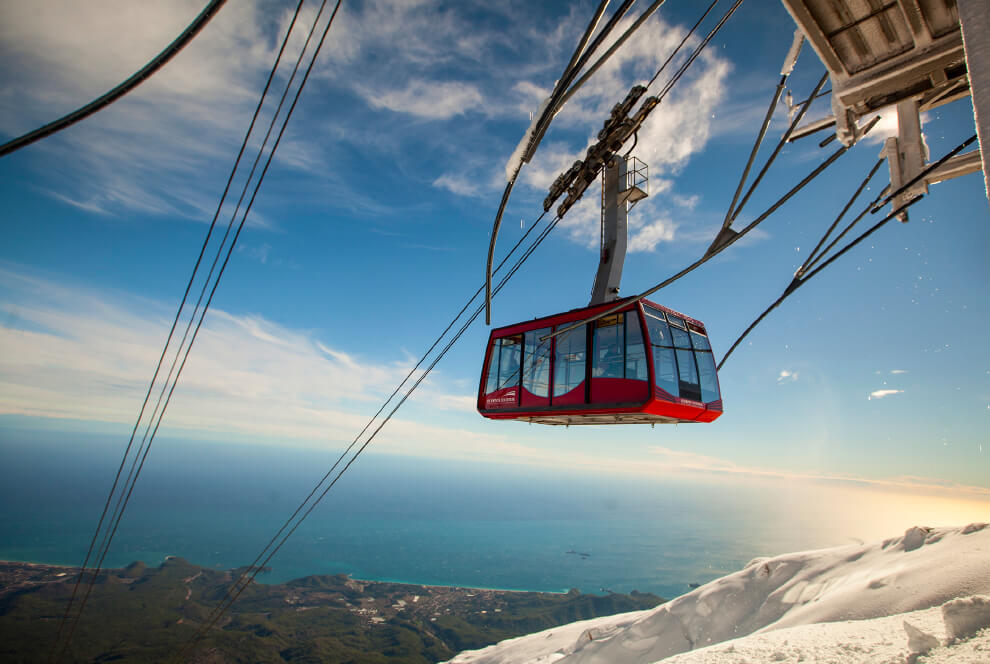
(642, 364)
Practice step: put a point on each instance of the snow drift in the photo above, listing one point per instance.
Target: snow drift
(894, 600)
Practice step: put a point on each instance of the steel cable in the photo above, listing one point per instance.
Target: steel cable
(797, 283)
(412, 371)
(711, 254)
(288, 528)
(136, 79)
(168, 340)
(815, 256)
(670, 84)
(801, 277)
(242, 582)
(123, 503)
(223, 242)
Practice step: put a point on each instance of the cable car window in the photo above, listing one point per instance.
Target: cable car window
(653, 311)
(491, 383)
(699, 341)
(569, 362)
(536, 358)
(609, 341)
(665, 370)
(509, 357)
(659, 332)
(706, 371)
(635, 351)
(688, 375)
(674, 320)
(681, 338)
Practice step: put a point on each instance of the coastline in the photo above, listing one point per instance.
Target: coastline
(437, 586)
(135, 610)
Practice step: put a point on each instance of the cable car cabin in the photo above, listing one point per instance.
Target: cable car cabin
(643, 364)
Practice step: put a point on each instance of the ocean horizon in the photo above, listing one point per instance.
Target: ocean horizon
(391, 519)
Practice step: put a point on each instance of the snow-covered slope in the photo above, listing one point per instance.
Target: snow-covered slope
(845, 604)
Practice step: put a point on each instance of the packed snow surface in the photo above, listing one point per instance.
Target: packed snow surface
(922, 597)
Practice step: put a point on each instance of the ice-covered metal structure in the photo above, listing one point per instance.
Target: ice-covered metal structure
(914, 55)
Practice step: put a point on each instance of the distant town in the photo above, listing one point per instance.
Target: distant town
(146, 614)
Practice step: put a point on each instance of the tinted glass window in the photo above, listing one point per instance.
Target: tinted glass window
(688, 375)
(659, 332)
(568, 368)
(665, 370)
(509, 357)
(536, 358)
(492, 381)
(636, 368)
(706, 372)
(609, 342)
(654, 312)
(681, 338)
(700, 341)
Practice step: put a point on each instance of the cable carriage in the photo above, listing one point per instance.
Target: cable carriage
(644, 364)
(616, 361)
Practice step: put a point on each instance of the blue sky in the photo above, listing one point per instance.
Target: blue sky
(371, 230)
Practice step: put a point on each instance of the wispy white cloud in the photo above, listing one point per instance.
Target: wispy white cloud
(880, 394)
(434, 100)
(72, 353)
(458, 183)
(163, 148)
(898, 371)
(686, 202)
(647, 236)
(786, 376)
(676, 130)
(531, 96)
(672, 460)
(260, 253)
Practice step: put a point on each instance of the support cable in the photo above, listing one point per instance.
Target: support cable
(256, 564)
(756, 148)
(136, 79)
(780, 145)
(923, 174)
(818, 170)
(697, 51)
(683, 41)
(803, 275)
(556, 99)
(308, 504)
(785, 71)
(797, 283)
(553, 104)
(216, 259)
(815, 256)
(182, 303)
(209, 300)
(650, 11)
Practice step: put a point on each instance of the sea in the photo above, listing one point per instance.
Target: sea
(391, 518)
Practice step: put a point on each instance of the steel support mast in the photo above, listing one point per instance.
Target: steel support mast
(623, 184)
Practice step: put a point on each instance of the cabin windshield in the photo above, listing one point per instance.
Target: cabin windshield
(683, 365)
(504, 363)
